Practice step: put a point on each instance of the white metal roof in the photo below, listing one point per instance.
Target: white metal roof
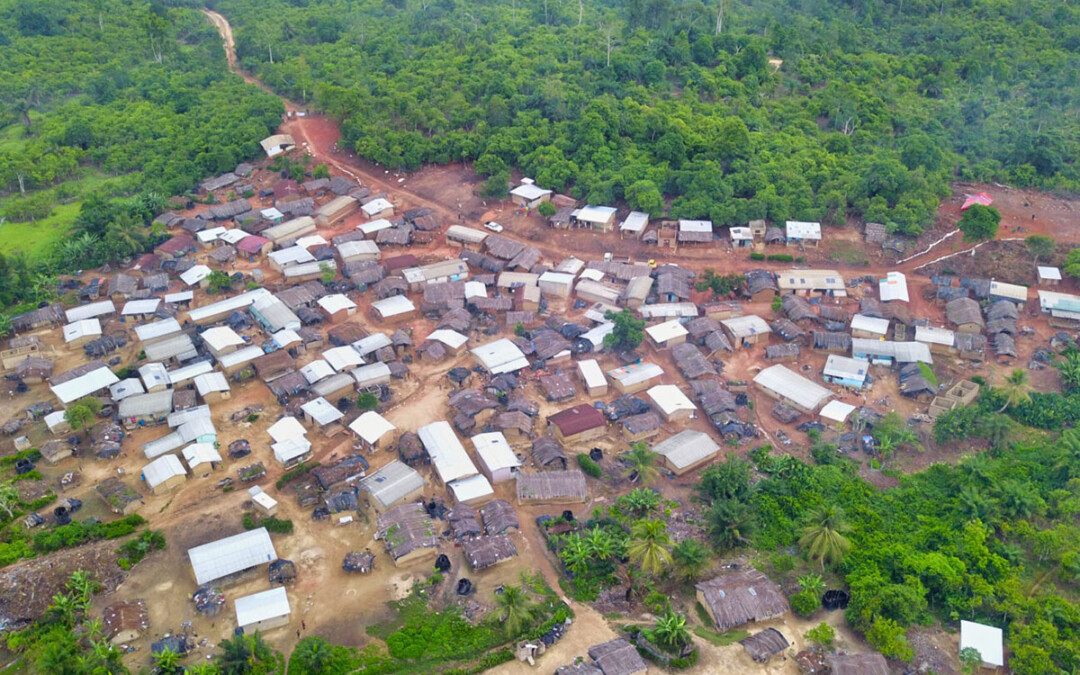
(746, 326)
(294, 255)
(157, 329)
(636, 221)
(1000, 289)
(893, 287)
(846, 367)
(596, 334)
(195, 274)
(595, 214)
(177, 345)
(571, 265)
(343, 358)
(316, 370)
(810, 280)
(592, 275)
(310, 240)
(741, 233)
(199, 453)
(450, 338)
(321, 411)
(512, 279)
(1063, 304)
(336, 302)
(494, 451)
(180, 296)
(270, 604)
(123, 389)
(210, 234)
(500, 356)
(81, 329)
(90, 311)
(285, 337)
(261, 498)
(934, 336)
(364, 247)
(182, 375)
(154, 374)
(181, 417)
(240, 356)
(1049, 273)
(376, 206)
(473, 487)
(836, 411)
(162, 469)
(148, 306)
(635, 373)
(371, 426)
(669, 330)
(154, 403)
(306, 269)
(695, 225)
(232, 554)
(227, 305)
(286, 428)
(797, 229)
(792, 386)
(208, 383)
(529, 191)
(372, 343)
(556, 278)
(291, 448)
(275, 313)
(475, 289)
(221, 337)
(290, 229)
(393, 306)
(56, 419)
(375, 226)
(466, 234)
(987, 640)
(904, 352)
(271, 213)
(234, 235)
(687, 448)
(84, 385)
(371, 374)
(667, 310)
(870, 324)
(447, 454)
(591, 373)
(392, 482)
(669, 399)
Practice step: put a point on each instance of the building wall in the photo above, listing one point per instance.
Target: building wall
(266, 624)
(173, 482)
(677, 415)
(586, 435)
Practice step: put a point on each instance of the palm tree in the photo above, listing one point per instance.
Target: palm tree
(600, 544)
(640, 501)
(671, 630)
(995, 428)
(823, 536)
(691, 559)
(1015, 387)
(514, 608)
(649, 546)
(730, 524)
(166, 661)
(82, 584)
(641, 464)
(313, 653)
(974, 504)
(575, 554)
(812, 583)
(203, 669)
(63, 607)
(240, 654)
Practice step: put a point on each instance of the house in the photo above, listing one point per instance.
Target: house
(691, 362)
(556, 284)
(290, 444)
(617, 657)
(637, 291)
(577, 424)
(667, 334)
(939, 340)
(557, 386)
(893, 288)
(670, 402)
(1048, 276)
(217, 311)
(373, 430)
(760, 286)
(739, 598)
(221, 340)
(595, 291)
(803, 233)
(497, 460)
(272, 366)
(254, 246)
(871, 328)
(290, 230)
(488, 550)
(378, 208)
(499, 357)
(966, 315)
(164, 474)
(695, 231)
(987, 640)
(446, 452)
(465, 237)
(323, 415)
(34, 369)
(593, 377)
(634, 225)
(635, 377)
(552, 487)
(741, 237)
(175, 247)
(811, 282)
(1015, 294)
(875, 233)
(198, 454)
(396, 482)
(91, 311)
(529, 195)
(336, 307)
(394, 308)
(453, 341)
(277, 144)
(884, 352)
(78, 333)
(120, 498)
(212, 387)
(354, 251)
(787, 386)
(125, 621)
(408, 532)
(334, 212)
(746, 330)
(639, 427)
(84, 380)
(687, 450)
(263, 611)
(846, 371)
(341, 473)
(595, 217)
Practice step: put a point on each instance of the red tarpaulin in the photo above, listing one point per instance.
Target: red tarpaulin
(981, 198)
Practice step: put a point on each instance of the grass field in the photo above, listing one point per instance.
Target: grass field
(35, 239)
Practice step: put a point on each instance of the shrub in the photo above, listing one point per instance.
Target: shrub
(757, 256)
(805, 603)
(781, 257)
(590, 467)
(297, 471)
(822, 635)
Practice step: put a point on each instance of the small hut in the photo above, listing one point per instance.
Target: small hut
(356, 561)
(764, 645)
(282, 571)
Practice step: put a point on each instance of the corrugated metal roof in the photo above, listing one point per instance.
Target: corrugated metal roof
(270, 604)
(90, 311)
(669, 399)
(230, 555)
(446, 451)
(371, 426)
(500, 356)
(793, 387)
(321, 411)
(84, 385)
(162, 469)
(392, 482)
(494, 451)
(687, 448)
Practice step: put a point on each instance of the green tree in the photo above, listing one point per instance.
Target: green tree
(1039, 246)
(691, 559)
(822, 538)
(812, 583)
(822, 636)
(970, 660)
(546, 209)
(218, 281)
(1015, 387)
(1072, 263)
(887, 636)
(639, 502)
(79, 416)
(730, 523)
(671, 632)
(245, 655)
(1069, 367)
(641, 464)
(644, 195)
(648, 547)
(327, 272)
(167, 661)
(519, 328)
(515, 609)
(367, 401)
(979, 223)
(320, 171)
(627, 333)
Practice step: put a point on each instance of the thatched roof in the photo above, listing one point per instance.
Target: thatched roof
(411, 449)
(785, 413)
(1004, 345)
(406, 528)
(875, 233)
(784, 351)
(832, 340)
(896, 311)
(548, 343)
(858, 664)
(356, 561)
(691, 362)
(965, 310)
(330, 474)
(499, 516)
(470, 401)
(547, 452)
(456, 319)
(702, 326)
(797, 308)
(643, 423)
(787, 329)
(762, 646)
(463, 521)
(969, 342)
(833, 313)
(502, 247)
(870, 307)
(717, 341)
(713, 397)
(617, 657)
(514, 419)
(557, 386)
(740, 597)
(281, 571)
(568, 485)
(489, 550)
(1002, 309)
(391, 286)
(773, 235)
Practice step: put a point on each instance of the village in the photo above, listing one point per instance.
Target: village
(419, 394)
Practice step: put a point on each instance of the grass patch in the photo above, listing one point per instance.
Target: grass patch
(849, 254)
(720, 639)
(11, 138)
(37, 239)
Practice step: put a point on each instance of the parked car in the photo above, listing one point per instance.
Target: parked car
(493, 226)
